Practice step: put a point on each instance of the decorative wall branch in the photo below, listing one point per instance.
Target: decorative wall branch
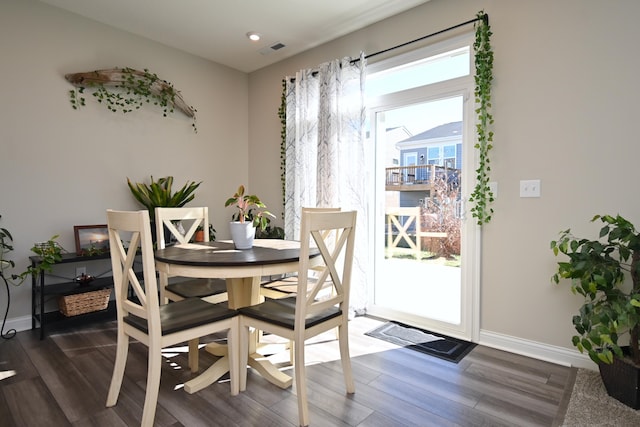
(126, 89)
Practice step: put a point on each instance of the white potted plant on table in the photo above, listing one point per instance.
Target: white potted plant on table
(243, 228)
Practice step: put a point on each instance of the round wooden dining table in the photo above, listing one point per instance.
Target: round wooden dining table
(243, 271)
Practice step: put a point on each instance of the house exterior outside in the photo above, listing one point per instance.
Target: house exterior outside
(424, 157)
(392, 157)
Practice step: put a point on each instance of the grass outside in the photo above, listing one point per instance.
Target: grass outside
(425, 256)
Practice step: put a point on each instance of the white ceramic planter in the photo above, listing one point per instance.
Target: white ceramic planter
(242, 234)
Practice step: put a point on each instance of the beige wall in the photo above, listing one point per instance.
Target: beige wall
(564, 103)
(60, 167)
(565, 100)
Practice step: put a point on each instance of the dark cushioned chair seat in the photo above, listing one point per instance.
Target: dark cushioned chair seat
(282, 312)
(184, 314)
(198, 288)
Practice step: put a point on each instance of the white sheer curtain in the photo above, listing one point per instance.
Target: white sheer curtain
(325, 157)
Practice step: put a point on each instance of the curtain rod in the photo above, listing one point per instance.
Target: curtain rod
(484, 18)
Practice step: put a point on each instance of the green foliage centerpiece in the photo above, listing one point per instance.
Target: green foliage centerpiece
(246, 204)
(251, 213)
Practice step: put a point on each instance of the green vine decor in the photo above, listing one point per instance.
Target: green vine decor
(482, 195)
(50, 253)
(282, 114)
(126, 89)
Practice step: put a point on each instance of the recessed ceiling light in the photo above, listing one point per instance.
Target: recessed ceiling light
(253, 36)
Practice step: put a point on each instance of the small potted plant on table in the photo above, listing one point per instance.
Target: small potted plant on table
(243, 228)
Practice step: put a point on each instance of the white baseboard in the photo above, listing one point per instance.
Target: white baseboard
(18, 323)
(549, 353)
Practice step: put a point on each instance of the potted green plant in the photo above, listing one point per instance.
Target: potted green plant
(243, 226)
(598, 270)
(160, 194)
(6, 247)
(50, 252)
(269, 231)
(198, 236)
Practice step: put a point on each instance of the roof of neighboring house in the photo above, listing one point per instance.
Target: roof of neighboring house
(442, 131)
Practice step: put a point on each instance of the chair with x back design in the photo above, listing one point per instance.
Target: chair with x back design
(141, 316)
(304, 315)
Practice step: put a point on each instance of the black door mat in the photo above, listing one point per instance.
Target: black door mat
(431, 343)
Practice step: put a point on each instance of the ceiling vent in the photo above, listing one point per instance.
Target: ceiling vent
(273, 48)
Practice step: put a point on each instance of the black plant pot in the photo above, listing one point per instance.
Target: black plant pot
(622, 380)
(167, 235)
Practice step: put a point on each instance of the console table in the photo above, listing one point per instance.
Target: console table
(41, 292)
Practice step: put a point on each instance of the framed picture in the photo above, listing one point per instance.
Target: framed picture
(91, 239)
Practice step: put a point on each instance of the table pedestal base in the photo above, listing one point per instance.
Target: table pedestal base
(256, 360)
(268, 370)
(215, 260)
(208, 377)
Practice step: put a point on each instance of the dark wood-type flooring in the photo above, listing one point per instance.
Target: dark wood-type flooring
(63, 381)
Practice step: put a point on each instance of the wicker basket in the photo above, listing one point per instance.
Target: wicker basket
(87, 302)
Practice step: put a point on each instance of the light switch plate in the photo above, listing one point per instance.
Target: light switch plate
(493, 187)
(530, 188)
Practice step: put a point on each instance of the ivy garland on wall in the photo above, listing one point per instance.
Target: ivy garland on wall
(482, 195)
(282, 114)
(127, 89)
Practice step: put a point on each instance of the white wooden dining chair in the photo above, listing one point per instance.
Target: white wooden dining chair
(212, 290)
(288, 286)
(141, 316)
(304, 315)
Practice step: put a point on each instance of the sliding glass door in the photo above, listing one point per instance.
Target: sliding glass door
(423, 144)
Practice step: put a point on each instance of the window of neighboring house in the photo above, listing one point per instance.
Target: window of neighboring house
(449, 156)
(442, 155)
(433, 156)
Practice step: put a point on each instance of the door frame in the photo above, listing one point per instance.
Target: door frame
(469, 327)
